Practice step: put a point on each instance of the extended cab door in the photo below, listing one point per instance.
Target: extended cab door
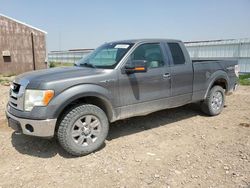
(181, 70)
(141, 91)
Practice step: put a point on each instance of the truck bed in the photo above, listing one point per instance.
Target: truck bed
(200, 60)
(206, 69)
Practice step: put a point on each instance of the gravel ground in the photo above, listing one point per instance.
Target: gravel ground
(180, 147)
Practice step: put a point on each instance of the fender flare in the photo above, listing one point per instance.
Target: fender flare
(58, 104)
(214, 77)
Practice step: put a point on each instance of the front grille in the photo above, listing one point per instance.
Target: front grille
(14, 91)
(15, 87)
(13, 97)
(17, 90)
(13, 104)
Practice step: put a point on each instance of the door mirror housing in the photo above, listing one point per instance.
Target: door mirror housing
(136, 66)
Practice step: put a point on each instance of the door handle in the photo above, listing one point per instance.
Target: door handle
(166, 75)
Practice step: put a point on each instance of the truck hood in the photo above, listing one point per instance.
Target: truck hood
(60, 74)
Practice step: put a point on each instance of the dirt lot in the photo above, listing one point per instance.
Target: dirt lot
(172, 148)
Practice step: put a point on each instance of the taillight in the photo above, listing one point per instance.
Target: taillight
(237, 70)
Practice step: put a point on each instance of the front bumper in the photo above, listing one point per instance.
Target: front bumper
(40, 128)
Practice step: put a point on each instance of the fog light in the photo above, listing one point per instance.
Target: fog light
(29, 128)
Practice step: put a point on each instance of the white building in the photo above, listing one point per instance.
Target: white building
(238, 49)
(69, 56)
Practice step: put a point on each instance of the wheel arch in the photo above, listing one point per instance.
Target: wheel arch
(89, 94)
(219, 78)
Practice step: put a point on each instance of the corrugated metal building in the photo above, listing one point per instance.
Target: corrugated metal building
(215, 49)
(70, 56)
(22, 47)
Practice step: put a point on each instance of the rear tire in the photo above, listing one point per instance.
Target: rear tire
(83, 129)
(214, 103)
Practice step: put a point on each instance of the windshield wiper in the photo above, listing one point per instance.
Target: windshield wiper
(88, 65)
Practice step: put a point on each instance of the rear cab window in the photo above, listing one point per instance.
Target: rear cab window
(177, 53)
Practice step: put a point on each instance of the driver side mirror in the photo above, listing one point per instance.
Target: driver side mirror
(136, 66)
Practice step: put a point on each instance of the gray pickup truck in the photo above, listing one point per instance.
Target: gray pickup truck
(118, 80)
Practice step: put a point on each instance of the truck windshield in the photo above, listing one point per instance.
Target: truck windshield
(106, 56)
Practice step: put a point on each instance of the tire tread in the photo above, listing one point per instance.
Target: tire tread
(62, 130)
(205, 105)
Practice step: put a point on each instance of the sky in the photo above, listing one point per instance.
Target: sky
(88, 24)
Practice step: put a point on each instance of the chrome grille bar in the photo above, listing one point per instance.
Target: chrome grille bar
(17, 91)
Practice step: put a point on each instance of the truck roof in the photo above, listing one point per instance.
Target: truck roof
(146, 40)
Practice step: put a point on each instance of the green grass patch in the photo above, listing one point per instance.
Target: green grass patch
(4, 81)
(245, 79)
(57, 64)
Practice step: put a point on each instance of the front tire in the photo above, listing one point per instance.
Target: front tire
(83, 129)
(214, 103)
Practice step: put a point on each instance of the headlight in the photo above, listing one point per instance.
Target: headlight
(37, 98)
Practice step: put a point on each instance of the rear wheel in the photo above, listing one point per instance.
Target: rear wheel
(83, 129)
(214, 103)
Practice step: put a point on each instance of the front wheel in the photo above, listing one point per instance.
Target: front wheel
(83, 129)
(214, 103)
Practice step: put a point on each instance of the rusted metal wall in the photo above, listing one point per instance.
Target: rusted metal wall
(16, 38)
